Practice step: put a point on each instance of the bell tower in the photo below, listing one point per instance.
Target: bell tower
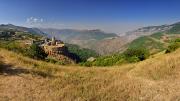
(53, 41)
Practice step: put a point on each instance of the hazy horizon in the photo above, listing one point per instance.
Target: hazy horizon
(116, 16)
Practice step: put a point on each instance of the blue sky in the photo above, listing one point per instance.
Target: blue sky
(109, 15)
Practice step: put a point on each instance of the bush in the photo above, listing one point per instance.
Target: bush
(1, 67)
(133, 59)
(177, 40)
(136, 54)
(36, 52)
(173, 46)
(130, 55)
(80, 54)
(54, 61)
(87, 64)
(106, 61)
(51, 60)
(12, 46)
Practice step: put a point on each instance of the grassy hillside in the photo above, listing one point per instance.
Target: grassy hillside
(157, 35)
(11, 27)
(19, 42)
(158, 41)
(82, 53)
(175, 29)
(22, 78)
(152, 44)
(110, 46)
(82, 38)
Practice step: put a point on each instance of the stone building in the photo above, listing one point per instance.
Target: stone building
(53, 46)
(56, 49)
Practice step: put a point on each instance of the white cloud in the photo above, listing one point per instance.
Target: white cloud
(34, 20)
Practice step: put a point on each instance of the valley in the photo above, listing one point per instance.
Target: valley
(103, 43)
(89, 50)
(138, 68)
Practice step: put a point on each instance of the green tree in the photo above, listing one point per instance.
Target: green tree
(136, 54)
(172, 47)
(36, 52)
(80, 54)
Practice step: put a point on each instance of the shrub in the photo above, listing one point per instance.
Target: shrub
(51, 60)
(12, 46)
(130, 55)
(177, 40)
(173, 46)
(61, 63)
(87, 64)
(106, 61)
(54, 61)
(80, 54)
(36, 52)
(133, 59)
(1, 67)
(136, 54)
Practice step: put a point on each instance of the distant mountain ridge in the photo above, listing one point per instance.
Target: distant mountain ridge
(20, 28)
(102, 42)
(145, 31)
(159, 39)
(70, 34)
(108, 43)
(82, 38)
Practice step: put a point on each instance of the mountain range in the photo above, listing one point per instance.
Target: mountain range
(106, 43)
(21, 29)
(102, 42)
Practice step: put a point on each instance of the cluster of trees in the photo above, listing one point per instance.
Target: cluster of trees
(129, 56)
(175, 44)
(6, 34)
(80, 54)
(136, 54)
(34, 51)
(12, 46)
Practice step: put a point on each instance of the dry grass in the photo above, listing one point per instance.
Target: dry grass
(24, 79)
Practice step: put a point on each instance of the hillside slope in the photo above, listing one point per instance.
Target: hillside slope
(83, 38)
(154, 43)
(26, 79)
(110, 46)
(21, 29)
(108, 43)
(73, 34)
